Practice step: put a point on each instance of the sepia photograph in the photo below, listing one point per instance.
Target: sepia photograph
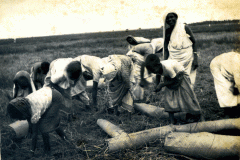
(119, 79)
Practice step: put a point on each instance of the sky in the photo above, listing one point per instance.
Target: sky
(30, 18)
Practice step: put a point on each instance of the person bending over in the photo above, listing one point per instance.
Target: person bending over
(41, 110)
(39, 71)
(22, 85)
(225, 69)
(179, 96)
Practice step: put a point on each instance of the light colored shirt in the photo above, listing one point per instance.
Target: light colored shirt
(171, 68)
(229, 64)
(57, 73)
(91, 64)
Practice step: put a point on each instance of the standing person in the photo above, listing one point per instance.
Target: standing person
(41, 110)
(22, 84)
(91, 69)
(225, 69)
(64, 73)
(117, 72)
(179, 96)
(38, 73)
(180, 44)
(138, 53)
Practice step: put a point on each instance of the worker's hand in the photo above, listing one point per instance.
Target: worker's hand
(158, 88)
(143, 83)
(195, 64)
(235, 91)
(87, 75)
(29, 135)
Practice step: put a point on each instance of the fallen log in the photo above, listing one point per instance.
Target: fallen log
(210, 126)
(110, 128)
(14, 132)
(203, 145)
(20, 128)
(122, 140)
(157, 112)
(138, 139)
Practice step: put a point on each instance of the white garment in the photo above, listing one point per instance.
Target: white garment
(171, 68)
(91, 64)
(39, 101)
(57, 73)
(225, 70)
(138, 54)
(180, 47)
(157, 44)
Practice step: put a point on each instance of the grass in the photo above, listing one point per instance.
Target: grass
(84, 131)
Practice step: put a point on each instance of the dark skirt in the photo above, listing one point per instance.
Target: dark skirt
(50, 120)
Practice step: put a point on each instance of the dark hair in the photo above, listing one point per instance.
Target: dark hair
(130, 39)
(173, 14)
(74, 70)
(45, 67)
(152, 61)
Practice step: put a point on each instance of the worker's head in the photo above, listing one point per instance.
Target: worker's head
(45, 67)
(153, 64)
(74, 71)
(171, 19)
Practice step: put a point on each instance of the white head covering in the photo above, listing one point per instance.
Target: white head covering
(178, 36)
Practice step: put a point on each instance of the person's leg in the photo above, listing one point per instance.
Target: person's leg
(61, 133)
(47, 148)
(129, 116)
(83, 97)
(64, 137)
(116, 112)
(171, 117)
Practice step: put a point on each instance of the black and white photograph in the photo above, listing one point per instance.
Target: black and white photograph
(119, 79)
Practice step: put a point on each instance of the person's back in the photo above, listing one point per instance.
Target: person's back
(41, 110)
(229, 61)
(91, 66)
(225, 69)
(22, 85)
(38, 73)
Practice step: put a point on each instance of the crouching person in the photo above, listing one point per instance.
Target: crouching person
(117, 72)
(179, 96)
(225, 69)
(41, 110)
(22, 84)
(38, 73)
(63, 75)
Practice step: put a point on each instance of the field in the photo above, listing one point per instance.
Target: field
(84, 131)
